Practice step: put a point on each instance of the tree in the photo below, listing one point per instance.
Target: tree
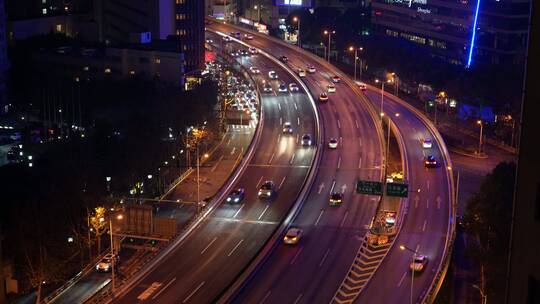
(487, 218)
(99, 225)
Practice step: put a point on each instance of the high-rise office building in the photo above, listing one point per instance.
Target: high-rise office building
(495, 30)
(523, 284)
(189, 29)
(123, 21)
(4, 63)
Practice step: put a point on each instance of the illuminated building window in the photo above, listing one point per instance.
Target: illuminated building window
(158, 60)
(391, 33)
(180, 16)
(44, 11)
(107, 70)
(59, 28)
(132, 72)
(180, 1)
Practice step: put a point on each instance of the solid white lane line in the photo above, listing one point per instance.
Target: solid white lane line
(332, 188)
(238, 211)
(298, 120)
(265, 297)
(193, 292)
(339, 162)
(324, 257)
(282, 181)
(296, 255)
(359, 163)
(319, 217)
(209, 244)
(424, 227)
(164, 287)
(402, 278)
(298, 299)
(271, 158)
(259, 182)
(344, 218)
(235, 247)
(338, 124)
(356, 122)
(264, 211)
(292, 159)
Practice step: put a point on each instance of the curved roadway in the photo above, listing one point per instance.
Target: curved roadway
(312, 271)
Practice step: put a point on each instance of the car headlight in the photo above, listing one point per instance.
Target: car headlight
(309, 142)
(228, 199)
(260, 192)
(236, 199)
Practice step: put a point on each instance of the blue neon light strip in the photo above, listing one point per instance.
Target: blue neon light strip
(473, 38)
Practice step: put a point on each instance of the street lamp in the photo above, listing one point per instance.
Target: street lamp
(355, 49)
(324, 46)
(414, 252)
(395, 80)
(258, 8)
(382, 96)
(296, 19)
(113, 260)
(329, 33)
(480, 141)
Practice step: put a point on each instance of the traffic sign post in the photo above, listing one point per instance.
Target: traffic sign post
(369, 187)
(397, 189)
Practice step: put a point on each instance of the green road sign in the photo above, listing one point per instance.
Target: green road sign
(369, 187)
(397, 189)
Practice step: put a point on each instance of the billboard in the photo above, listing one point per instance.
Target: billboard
(293, 3)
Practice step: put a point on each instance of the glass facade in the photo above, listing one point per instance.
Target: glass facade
(445, 27)
(190, 30)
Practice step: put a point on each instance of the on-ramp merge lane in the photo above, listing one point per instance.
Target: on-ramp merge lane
(312, 271)
(209, 259)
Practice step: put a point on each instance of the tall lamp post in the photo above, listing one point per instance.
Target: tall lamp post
(198, 178)
(113, 260)
(355, 49)
(382, 96)
(258, 8)
(329, 33)
(415, 253)
(296, 19)
(324, 46)
(480, 141)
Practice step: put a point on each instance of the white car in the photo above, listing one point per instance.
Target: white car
(287, 128)
(333, 143)
(293, 236)
(267, 88)
(227, 39)
(253, 50)
(336, 79)
(293, 87)
(311, 69)
(272, 75)
(426, 143)
(282, 88)
(301, 73)
(248, 36)
(331, 88)
(105, 265)
(362, 86)
(267, 189)
(254, 70)
(419, 263)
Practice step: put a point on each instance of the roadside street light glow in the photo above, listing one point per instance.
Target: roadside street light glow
(70, 239)
(149, 176)
(401, 247)
(120, 216)
(206, 155)
(108, 178)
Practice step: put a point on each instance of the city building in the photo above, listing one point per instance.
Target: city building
(461, 32)
(81, 27)
(4, 63)
(189, 29)
(123, 21)
(523, 282)
(158, 59)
